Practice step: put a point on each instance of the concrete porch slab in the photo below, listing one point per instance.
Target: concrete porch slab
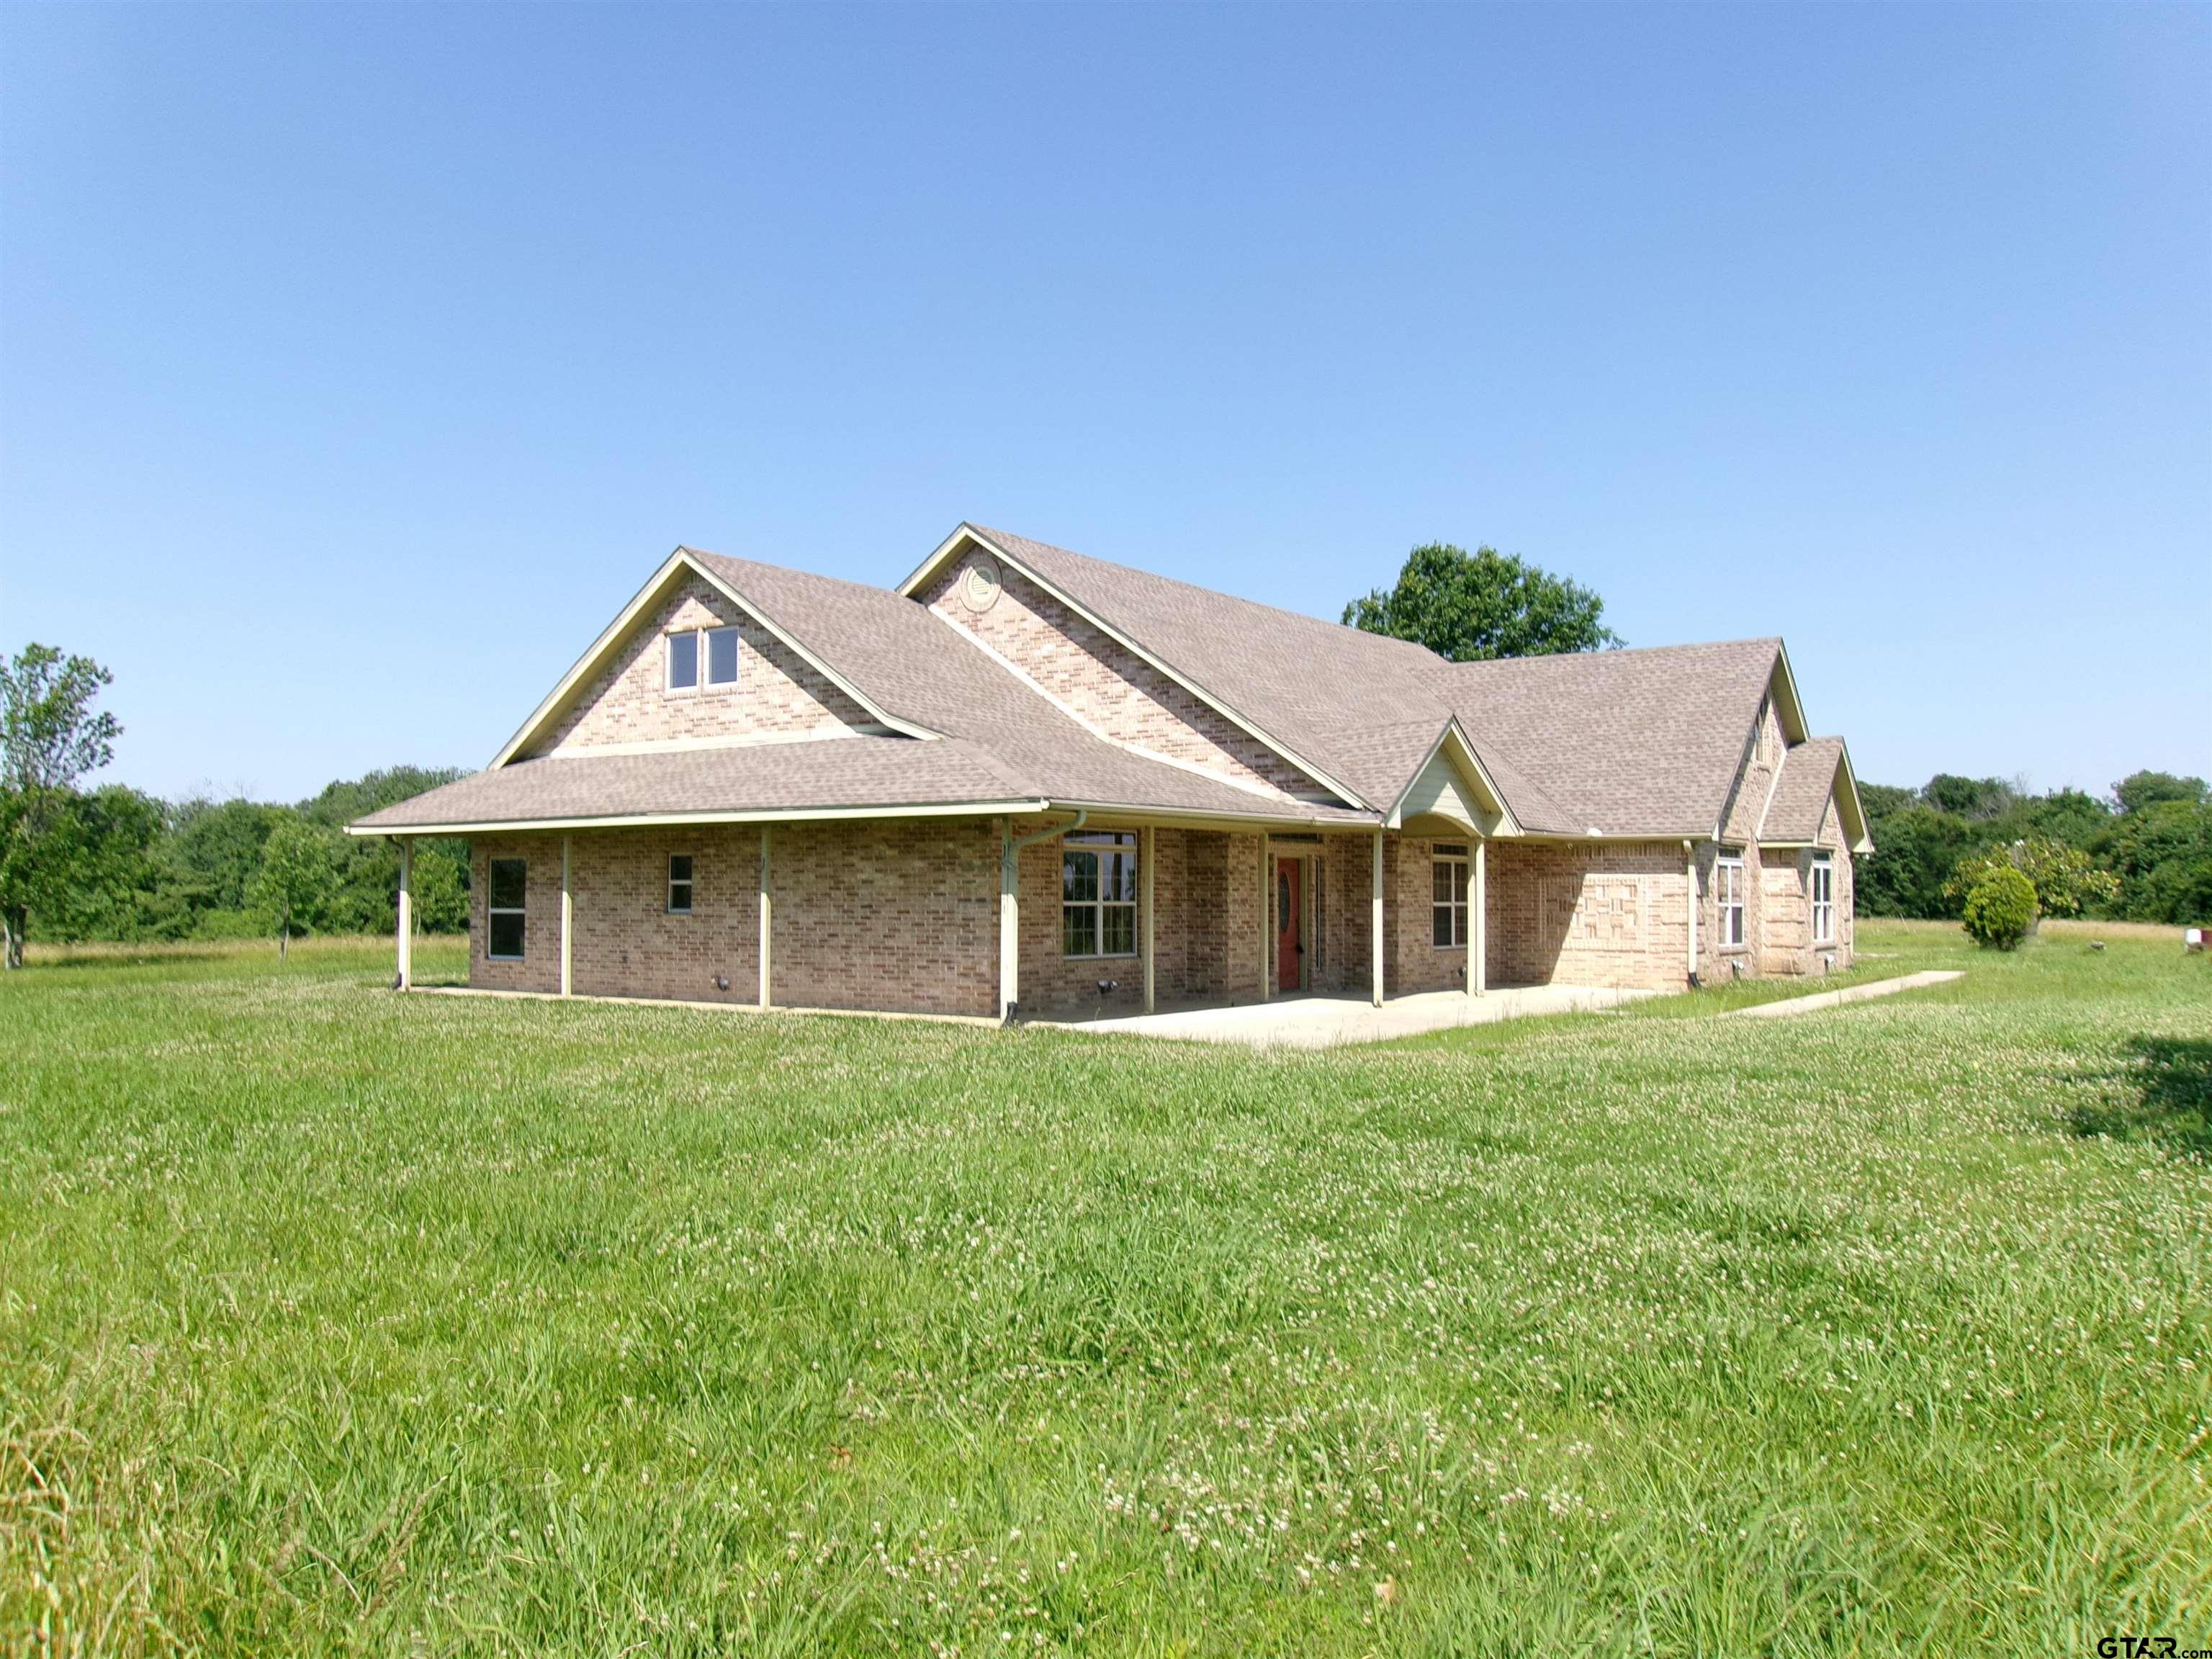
(1327, 1021)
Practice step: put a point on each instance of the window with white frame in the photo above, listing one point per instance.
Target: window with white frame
(694, 652)
(1098, 894)
(721, 656)
(1728, 894)
(679, 883)
(1447, 893)
(1823, 899)
(683, 660)
(505, 908)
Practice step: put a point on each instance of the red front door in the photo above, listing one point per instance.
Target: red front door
(1290, 928)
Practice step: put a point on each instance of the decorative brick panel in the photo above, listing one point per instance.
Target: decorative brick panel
(778, 693)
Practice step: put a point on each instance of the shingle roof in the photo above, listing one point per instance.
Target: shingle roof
(1626, 742)
(1616, 743)
(1801, 789)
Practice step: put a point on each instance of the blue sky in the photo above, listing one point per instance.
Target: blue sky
(357, 363)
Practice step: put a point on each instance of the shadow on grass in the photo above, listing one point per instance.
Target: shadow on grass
(2171, 1080)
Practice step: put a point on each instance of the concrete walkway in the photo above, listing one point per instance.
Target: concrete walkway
(1326, 1022)
(1881, 987)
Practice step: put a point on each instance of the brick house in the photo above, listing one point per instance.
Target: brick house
(1028, 780)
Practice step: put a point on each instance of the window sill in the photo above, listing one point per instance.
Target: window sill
(489, 957)
(1116, 955)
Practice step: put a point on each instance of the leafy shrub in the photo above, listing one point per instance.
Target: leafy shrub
(2000, 908)
(2064, 877)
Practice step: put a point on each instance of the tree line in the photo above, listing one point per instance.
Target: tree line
(115, 863)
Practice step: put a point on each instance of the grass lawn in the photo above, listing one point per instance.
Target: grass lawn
(335, 1321)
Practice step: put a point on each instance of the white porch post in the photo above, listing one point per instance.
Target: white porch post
(1145, 853)
(568, 915)
(1266, 900)
(1010, 924)
(406, 941)
(1375, 943)
(1690, 865)
(766, 920)
(1478, 939)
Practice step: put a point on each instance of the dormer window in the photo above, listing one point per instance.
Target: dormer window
(684, 661)
(714, 649)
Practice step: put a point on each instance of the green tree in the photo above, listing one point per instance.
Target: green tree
(2163, 855)
(1472, 607)
(298, 875)
(2140, 789)
(51, 736)
(1999, 908)
(115, 889)
(1916, 849)
(1970, 798)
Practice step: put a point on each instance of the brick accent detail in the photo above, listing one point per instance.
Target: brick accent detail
(1110, 690)
(1594, 913)
(778, 694)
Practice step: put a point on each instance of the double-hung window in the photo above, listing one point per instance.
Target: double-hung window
(679, 883)
(713, 650)
(1098, 894)
(1823, 899)
(1447, 893)
(504, 909)
(1728, 894)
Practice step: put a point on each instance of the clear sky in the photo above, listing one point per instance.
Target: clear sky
(357, 363)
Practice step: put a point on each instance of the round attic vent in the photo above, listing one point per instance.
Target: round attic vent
(979, 583)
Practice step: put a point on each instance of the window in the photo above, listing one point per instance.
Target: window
(684, 662)
(1447, 893)
(721, 656)
(679, 883)
(1728, 893)
(510, 882)
(1824, 900)
(1098, 894)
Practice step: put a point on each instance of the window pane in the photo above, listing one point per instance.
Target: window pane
(722, 656)
(1078, 875)
(679, 866)
(508, 883)
(507, 933)
(1459, 883)
(1079, 930)
(683, 661)
(1440, 929)
(1121, 877)
(1440, 882)
(1120, 930)
(679, 896)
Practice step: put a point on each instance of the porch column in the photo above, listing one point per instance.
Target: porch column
(1478, 940)
(1266, 900)
(1010, 924)
(1690, 865)
(1375, 942)
(766, 920)
(1145, 853)
(406, 941)
(568, 914)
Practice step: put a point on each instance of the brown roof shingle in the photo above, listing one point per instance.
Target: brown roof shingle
(1801, 789)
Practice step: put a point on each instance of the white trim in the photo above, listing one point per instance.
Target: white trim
(1823, 864)
(650, 820)
(1507, 824)
(1099, 903)
(1722, 863)
(929, 566)
(568, 915)
(682, 559)
(1460, 907)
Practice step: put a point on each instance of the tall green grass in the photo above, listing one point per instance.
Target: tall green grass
(332, 1321)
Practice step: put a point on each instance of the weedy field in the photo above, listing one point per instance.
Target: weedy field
(332, 1321)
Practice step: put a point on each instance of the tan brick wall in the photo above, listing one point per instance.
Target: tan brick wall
(1108, 688)
(1600, 913)
(896, 914)
(778, 694)
(1416, 964)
